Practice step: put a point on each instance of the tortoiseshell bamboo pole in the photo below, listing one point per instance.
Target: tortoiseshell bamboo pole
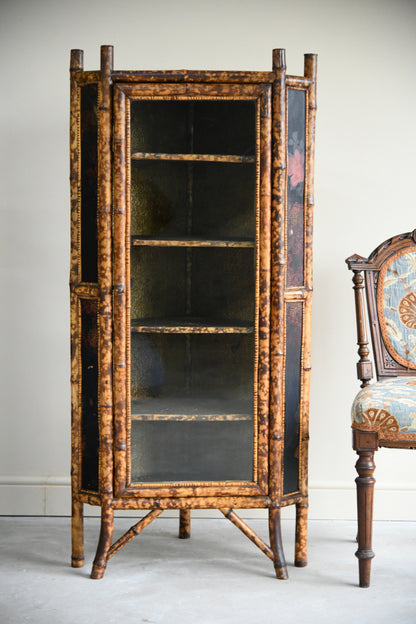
(120, 314)
(277, 309)
(263, 245)
(248, 532)
(76, 65)
(184, 523)
(310, 70)
(105, 313)
(133, 531)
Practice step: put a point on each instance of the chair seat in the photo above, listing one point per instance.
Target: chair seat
(388, 405)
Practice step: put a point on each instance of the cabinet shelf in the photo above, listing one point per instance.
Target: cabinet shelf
(226, 158)
(190, 409)
(190, 325)
(190, 241)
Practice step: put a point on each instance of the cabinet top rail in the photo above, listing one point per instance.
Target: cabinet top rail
(184, 75)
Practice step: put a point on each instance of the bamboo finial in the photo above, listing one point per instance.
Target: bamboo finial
(77, 60)
(310, 66)
(107, 52)
(279, 59)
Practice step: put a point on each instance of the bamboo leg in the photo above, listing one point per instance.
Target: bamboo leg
(77, 560)
(365, 494)
(301, 557)
(276, 543)
(104, 543)
(184, 523)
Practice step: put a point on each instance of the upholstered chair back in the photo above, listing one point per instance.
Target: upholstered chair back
(396, 306)
(390, 285)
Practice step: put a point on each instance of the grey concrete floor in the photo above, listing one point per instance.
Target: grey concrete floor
(216, 576)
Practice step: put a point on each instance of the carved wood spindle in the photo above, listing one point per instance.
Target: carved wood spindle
(364, 366)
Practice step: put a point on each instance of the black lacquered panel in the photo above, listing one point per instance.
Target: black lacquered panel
(89, 183)
(89, 394)
(294, 314)
(295, 222)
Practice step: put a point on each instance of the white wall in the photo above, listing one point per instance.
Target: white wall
(364, 180)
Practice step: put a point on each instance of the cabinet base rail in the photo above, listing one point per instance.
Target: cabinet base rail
(106, 549)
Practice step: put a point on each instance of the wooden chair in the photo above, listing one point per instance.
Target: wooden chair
(383, 412)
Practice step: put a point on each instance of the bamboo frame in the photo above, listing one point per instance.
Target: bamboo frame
(116, 88)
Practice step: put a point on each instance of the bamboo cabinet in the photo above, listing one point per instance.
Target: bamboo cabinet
(191, 283)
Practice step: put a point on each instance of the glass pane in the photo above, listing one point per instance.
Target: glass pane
(178, 281)
(221, 195)
(191, 407)
(196, 126)
(192, 274)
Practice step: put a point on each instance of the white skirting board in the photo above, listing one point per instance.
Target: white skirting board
(29, 496)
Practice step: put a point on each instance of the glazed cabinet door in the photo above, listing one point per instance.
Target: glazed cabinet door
(191, 285)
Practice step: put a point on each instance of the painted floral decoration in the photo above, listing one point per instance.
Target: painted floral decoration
(407, 310)
(296, 170)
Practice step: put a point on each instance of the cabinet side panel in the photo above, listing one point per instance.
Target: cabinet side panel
(294, 322)
(295, 220)
(89, 187)
(89, 394)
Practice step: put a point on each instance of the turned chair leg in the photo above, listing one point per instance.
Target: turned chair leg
(301, 557)
(77, 560)
(365, 494)
(184, 523)
(104, 542)
(277, 544)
